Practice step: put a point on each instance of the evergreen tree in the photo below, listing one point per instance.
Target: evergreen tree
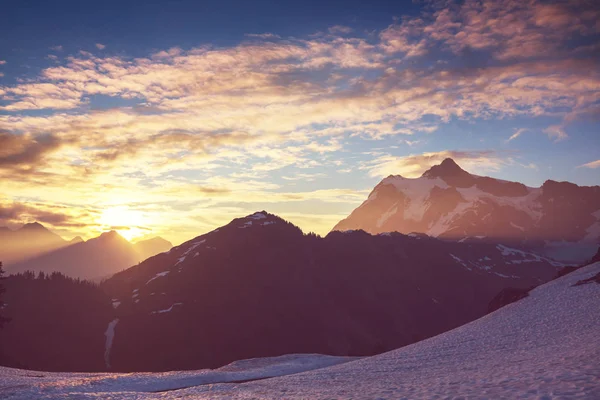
(2, 319)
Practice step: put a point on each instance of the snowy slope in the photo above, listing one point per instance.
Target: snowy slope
(560, 219)
(542, 347)
(23, 384)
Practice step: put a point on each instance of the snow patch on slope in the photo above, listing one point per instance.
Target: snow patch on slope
(110, 335)
(417, 191)
(166, 310)
(159, 275)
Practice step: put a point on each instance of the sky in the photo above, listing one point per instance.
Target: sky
(172, 118)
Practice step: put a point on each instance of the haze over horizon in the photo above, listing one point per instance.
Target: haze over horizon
(172, 120)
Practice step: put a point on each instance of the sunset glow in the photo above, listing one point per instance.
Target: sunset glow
(200, 120)
(127, 222)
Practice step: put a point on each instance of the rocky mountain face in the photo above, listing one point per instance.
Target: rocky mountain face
(259, 287)
(93, 259)
(27, 242)
(558, 219)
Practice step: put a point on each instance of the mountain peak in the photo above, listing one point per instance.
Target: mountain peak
(33, 226)
(110, 235)
(76, 239)
(446, 168)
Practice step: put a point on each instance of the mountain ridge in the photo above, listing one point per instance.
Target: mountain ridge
(259, 286)
(95, 258)
(559, 219)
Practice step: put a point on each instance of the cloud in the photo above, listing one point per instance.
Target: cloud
(2, 62)
(340, 30)
(270, 112)
(263, 35)
(100, 46)
(413, 166)
(592, 165)
(25, 150)
(518, 132)
(556, 132)
(16, 213)
(56, 48)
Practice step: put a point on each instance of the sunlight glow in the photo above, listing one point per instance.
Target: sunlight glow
(127, 222)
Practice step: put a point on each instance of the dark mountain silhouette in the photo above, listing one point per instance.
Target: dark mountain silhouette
(260, 287)
(93, 259)
(27, 242)
(559, 219)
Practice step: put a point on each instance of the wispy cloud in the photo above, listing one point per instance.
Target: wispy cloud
(100, 46)
(413, 166)
(556, 132)
(518, 132)
(593, 165)
(340, 30)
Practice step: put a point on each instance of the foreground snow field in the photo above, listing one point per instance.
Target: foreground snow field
(544, 346)
(24, 384)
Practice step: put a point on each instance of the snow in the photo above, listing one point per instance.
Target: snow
(116, 304)
(417, 191)
(18, 384)
(257, 215)
(110, 335)
(188, 250)
(542, 347)
(386, 215)
(517, 226)
(508, 251)
(593, 231)
(167, 309)
(460, 261)
(246, 225)
(268, 223)
(159, 275)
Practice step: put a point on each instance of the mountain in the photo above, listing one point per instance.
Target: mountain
(559, 219)
(149, 247)
(93, 259)
(259, 287)
(27, 242)
(543, 346)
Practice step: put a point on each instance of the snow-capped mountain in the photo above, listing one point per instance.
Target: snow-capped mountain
(259, 287)
(544, 346)
(559, 219)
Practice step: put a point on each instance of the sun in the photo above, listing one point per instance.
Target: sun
(127, 222)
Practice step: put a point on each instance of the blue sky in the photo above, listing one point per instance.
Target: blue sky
(178, 116)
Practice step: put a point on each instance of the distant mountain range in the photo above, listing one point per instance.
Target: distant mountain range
(95, 258)
(559, 219)
(27, 242)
